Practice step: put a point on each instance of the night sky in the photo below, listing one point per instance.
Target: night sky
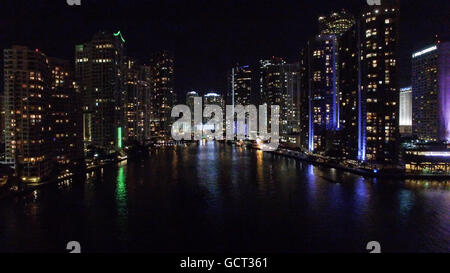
(207, 37)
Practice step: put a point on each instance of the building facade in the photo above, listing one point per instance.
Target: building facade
(27, 87)
(280, 85)
(241, 86)
(330, 90)
(163, 96)
(431, 93)
(65, 115)
(378, 132)
(137, 110)
(99, 73)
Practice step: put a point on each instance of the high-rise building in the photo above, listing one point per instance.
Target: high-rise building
(322, 67)
(378, 110)
(137, 109)
(190, 102)
(331, 82)
(431, 93)
(305, 102)
(241, 86)
(405, 111)
(27, 81)
(163, 96)
(190, 96)
(279, 85)
(99, 73)
(65, 115)
(213, 98)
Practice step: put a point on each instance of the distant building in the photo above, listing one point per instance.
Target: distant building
(213, 98)
(190, 100)
(431, 93)
(406, 111)
(65, 115)
(28, 81)
(138, 94)
(241, 86)
(99, 73)
(190, 96)
(279, 85)
(163, 96)
(428, 159)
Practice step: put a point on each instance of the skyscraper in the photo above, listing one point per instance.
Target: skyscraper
(241, 86)
(431, 93)
(190, 102)
(163, 96)
(279, 85)
(99, 73)
(138, 92)
(322, 66)
(65, 115)
(347, 88)
(213, 98)
(378, 132)
(26, 105)
(331, 63)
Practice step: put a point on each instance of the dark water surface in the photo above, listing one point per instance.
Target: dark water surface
(217, 198)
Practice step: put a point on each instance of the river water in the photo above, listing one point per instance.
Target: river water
(212, 197)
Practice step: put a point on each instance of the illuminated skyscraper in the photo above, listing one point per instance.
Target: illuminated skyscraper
(213, 98)
(406, 111)
(190, 100)
(99, 73)
(322, 66)
(27, 80)
(190, 96)
(431, 93)
(279, 85)
(163, 95)
(348, 84)
(65, 115)
(378, 132)
(241, 85)
(137, 110)
(332, 68)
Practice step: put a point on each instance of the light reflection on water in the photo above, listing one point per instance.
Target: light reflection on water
(215, 197)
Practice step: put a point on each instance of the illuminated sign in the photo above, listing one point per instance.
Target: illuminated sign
(119, 137)
(441, 154)
(426, 50)
(119, 34)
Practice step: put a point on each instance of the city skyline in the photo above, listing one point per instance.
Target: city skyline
(204, 58)
(231, 126)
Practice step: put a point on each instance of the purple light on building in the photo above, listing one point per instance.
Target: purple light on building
(444, 88)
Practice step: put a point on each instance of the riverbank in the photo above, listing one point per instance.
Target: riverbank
(373, 173)
(18, 188)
